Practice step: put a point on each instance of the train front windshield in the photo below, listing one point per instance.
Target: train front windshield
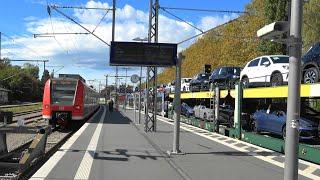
(63, 92)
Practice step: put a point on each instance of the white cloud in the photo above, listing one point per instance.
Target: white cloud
(209, 22)
(85, 53)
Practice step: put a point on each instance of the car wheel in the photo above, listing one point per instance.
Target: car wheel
(231, 120)
(184, 89)
(254, 127)
(276, 79)
(284, 132)
(310, 76)
(245, 82)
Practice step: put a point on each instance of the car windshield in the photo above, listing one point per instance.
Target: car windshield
(186, 106)
(234, 71)
(280, 59)
(186, 80)
(203, 76)
(63, 92)
(313, 49)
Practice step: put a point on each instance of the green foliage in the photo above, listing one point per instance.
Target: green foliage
(45, 77)
(311, 23)
(22, 82)
(31, 70)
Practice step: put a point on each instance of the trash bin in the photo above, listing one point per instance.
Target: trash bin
(8, 115)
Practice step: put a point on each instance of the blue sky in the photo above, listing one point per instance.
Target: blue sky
(85, 55)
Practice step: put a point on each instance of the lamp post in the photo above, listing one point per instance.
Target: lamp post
(125, 88)
(140, 93)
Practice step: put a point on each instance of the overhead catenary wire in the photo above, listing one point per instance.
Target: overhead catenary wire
(73, 43)
(74, 21)
(15, 55)
(59, 44)
(16, 43)
(205, 10)
(182, 19)
(165, 9)
(100, 21)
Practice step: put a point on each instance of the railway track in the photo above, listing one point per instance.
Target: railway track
(26, 113)
(54, 141)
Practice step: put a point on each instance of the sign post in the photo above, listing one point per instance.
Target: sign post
(150, 55)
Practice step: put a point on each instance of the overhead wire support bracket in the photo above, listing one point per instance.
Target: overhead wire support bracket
(53, 34)
(78, 7)
(63, 14)
(30, 60)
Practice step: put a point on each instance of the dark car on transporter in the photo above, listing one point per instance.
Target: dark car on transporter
(200, 82)
(273, 120)
(311, 64)
(186, 110)
(226, 117)
(225, 76)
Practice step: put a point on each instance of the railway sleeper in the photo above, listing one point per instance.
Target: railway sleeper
(26, 155)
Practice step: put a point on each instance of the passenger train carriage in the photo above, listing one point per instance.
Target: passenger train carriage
(67, 100)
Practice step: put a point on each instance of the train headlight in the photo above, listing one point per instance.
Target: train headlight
(78, 107)
(46, 106)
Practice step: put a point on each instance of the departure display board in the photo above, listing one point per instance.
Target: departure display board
(142, 54)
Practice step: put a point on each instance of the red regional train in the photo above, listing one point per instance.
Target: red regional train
(67, 100)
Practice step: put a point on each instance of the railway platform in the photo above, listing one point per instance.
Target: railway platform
(111, 146)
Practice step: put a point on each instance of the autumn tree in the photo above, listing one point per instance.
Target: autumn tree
(311, 23)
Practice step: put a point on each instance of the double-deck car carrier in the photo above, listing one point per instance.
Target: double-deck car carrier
(243, 98)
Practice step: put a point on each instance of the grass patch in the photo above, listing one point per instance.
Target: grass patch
(19, 109)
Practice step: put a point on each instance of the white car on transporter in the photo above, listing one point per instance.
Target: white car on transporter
(185, 84)
(272, 70)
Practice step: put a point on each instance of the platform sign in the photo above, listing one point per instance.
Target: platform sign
(142, 54)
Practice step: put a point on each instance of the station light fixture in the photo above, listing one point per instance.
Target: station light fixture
(274, 31)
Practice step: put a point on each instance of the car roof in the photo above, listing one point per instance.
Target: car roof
(272, 56)
(228, 67)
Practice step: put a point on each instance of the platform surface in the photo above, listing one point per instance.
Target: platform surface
(111, 146)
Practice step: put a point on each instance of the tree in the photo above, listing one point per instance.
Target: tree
(32, 70)
(234, 43)
(45, 77)
(311, 23)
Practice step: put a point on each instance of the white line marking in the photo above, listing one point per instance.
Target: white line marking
(310, 169)
(264, 158)
(84, 169)
(44, 171)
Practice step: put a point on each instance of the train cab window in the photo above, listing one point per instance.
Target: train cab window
(63, 92)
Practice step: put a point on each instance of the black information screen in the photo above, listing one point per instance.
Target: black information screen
(143, 54)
